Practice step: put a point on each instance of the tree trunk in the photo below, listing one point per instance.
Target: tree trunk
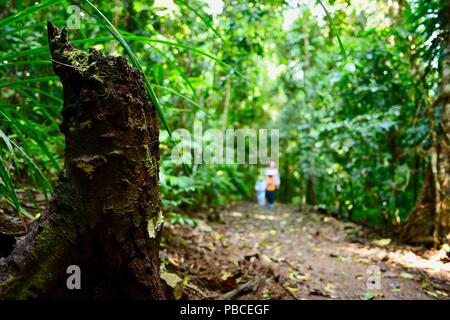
(311, 196)
(442, 222)
(105, 213)
(418, 228)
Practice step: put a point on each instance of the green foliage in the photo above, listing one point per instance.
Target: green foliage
(206, 186)
(178, 218)
(361, 136)
(353, 128)
(26, 127)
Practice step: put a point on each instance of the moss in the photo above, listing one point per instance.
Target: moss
(97, 76)
(76, 59)
(136, 220)
(86, 64)
(88, 168)
(85, 124)
(38, 271)
(33, 285)
(135, 121)
(88, 164)
(150, 163)
(154, 222)
(45, 263)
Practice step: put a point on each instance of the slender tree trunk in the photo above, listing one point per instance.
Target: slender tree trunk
(434, 155)
(105, 212)
(442, 221)
(311, 196)
(394, 152)
(416, 166)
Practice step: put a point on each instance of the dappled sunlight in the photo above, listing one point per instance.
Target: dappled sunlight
(366, 252)
(307, 255)
(236, 214)
(433, 264)
(267, 217)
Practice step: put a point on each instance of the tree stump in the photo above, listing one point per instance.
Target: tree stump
(105, 214)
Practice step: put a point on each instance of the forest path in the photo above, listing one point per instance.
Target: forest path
(258, 253)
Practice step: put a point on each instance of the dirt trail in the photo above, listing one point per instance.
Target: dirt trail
(257, 253)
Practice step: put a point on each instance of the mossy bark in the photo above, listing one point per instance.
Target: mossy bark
(105, 213)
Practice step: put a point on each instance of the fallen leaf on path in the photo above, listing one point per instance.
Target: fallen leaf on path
(330, 287)
(383, 242)
(225, 275)
(436, 293)
(266, 259)
(262, 244)
(216, 235)
(234, 261)
(304, 277)
(365, 261)
(175, 282)
(372, 295)
(368, 296)
(292, 289)
(265, 294)
(406, 275)
(345, 259)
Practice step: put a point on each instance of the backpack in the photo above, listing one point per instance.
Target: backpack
(270, 184)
